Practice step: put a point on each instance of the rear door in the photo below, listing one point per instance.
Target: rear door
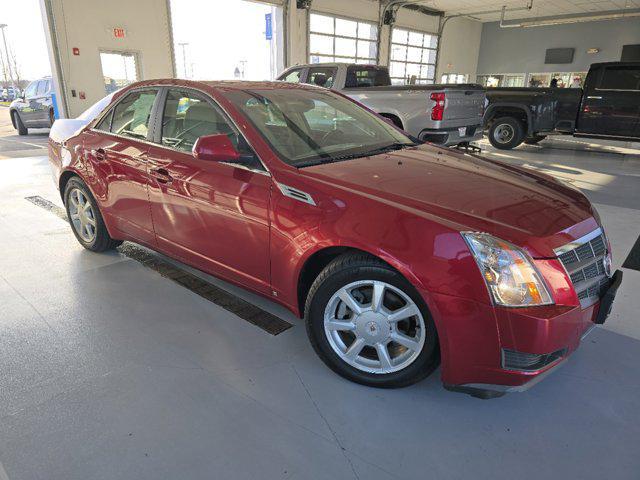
(117, 149)
(611, 103)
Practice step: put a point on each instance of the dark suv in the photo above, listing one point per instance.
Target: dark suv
(35, 108)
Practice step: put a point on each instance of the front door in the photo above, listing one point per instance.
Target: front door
(117, 150)
(212, 215)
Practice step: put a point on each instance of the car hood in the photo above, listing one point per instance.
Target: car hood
(466, 192)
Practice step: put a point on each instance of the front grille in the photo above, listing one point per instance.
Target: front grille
(514, 360)
(584, 261)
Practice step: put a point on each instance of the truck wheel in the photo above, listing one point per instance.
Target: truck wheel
(535, 139)
(22, 130)
(506, 133)
(368, 324)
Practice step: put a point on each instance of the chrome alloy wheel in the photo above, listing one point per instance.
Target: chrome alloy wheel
(374, 327)
(503, 133)
(82, 215)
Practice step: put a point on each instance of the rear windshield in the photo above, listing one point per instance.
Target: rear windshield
(359, 76)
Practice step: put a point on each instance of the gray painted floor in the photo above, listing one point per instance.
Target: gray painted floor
(110, 371)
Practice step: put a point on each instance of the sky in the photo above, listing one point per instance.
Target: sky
(212, 53)
(216, 48)
(25, 36)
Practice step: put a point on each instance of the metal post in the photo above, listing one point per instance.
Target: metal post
(6, 51)
(184, 58)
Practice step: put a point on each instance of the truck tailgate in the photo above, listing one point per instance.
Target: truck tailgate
(463, 104)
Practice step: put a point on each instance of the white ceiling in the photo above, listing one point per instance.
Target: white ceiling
(541, 8)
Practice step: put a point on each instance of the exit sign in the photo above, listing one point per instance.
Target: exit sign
(119, 32)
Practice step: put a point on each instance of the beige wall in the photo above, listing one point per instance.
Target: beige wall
(460, 47)
(88, 24)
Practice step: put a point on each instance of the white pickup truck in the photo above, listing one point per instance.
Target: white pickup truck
(445, 114)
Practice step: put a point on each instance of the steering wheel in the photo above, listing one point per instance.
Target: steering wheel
(329, 136)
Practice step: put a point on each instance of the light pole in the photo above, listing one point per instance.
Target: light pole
(6, 51)
(184, 58)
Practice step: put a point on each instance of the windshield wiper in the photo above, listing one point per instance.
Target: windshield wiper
(377, 151)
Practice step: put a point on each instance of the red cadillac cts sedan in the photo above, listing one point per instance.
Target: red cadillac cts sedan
(400, 256)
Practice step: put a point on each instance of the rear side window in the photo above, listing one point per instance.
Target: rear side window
(132, 114)
(621, 78)
(322, 77)
(293, 76)
(362, 77)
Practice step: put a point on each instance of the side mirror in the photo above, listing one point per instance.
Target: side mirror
(216, 148)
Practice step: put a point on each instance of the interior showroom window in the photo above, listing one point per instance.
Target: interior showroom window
(413, 56)
(335, 39)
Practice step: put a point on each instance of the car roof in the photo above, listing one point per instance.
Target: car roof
(220, 84)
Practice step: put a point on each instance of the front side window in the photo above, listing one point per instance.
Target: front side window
(31, 90)
(621, 78)
(413, 57)
(132, 114)
(293, 76)
(42, 88)
(333, 39)
(188, 116)
(322, 77)
(309, 127)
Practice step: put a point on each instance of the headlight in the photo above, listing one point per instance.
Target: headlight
(508, 272)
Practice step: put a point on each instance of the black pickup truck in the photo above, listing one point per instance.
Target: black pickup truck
(608, 107)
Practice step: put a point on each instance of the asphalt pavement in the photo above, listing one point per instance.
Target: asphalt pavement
(13, 145)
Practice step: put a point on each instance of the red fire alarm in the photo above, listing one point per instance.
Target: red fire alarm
(82, 95)
(76, 51)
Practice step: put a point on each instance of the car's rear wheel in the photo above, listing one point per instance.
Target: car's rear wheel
(85, 218)
(506, 133)
(22, 130)
(369, 324)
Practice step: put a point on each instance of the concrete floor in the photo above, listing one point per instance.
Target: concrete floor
(108, 370)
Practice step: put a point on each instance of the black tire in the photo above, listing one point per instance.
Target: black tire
(52, 117)
(102, 240)
(506, 133)
(535, 139)
(352, 267)
(22, 130)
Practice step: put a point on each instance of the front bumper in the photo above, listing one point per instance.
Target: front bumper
(452, 136)
(474, 337)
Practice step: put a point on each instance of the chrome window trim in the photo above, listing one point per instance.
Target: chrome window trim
(209, 99)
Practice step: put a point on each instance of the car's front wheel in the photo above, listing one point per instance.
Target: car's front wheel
(22, 130)
(369, 324)
(85, 218)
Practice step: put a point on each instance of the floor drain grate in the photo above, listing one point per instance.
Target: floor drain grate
(47, 205)
(232, 303)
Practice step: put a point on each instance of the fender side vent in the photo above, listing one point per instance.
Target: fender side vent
(296, 194)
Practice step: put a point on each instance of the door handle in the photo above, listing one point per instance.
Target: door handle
(99, 154)
(161, 175)
(593, 97)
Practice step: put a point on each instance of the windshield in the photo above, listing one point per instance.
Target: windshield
(307, 127)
